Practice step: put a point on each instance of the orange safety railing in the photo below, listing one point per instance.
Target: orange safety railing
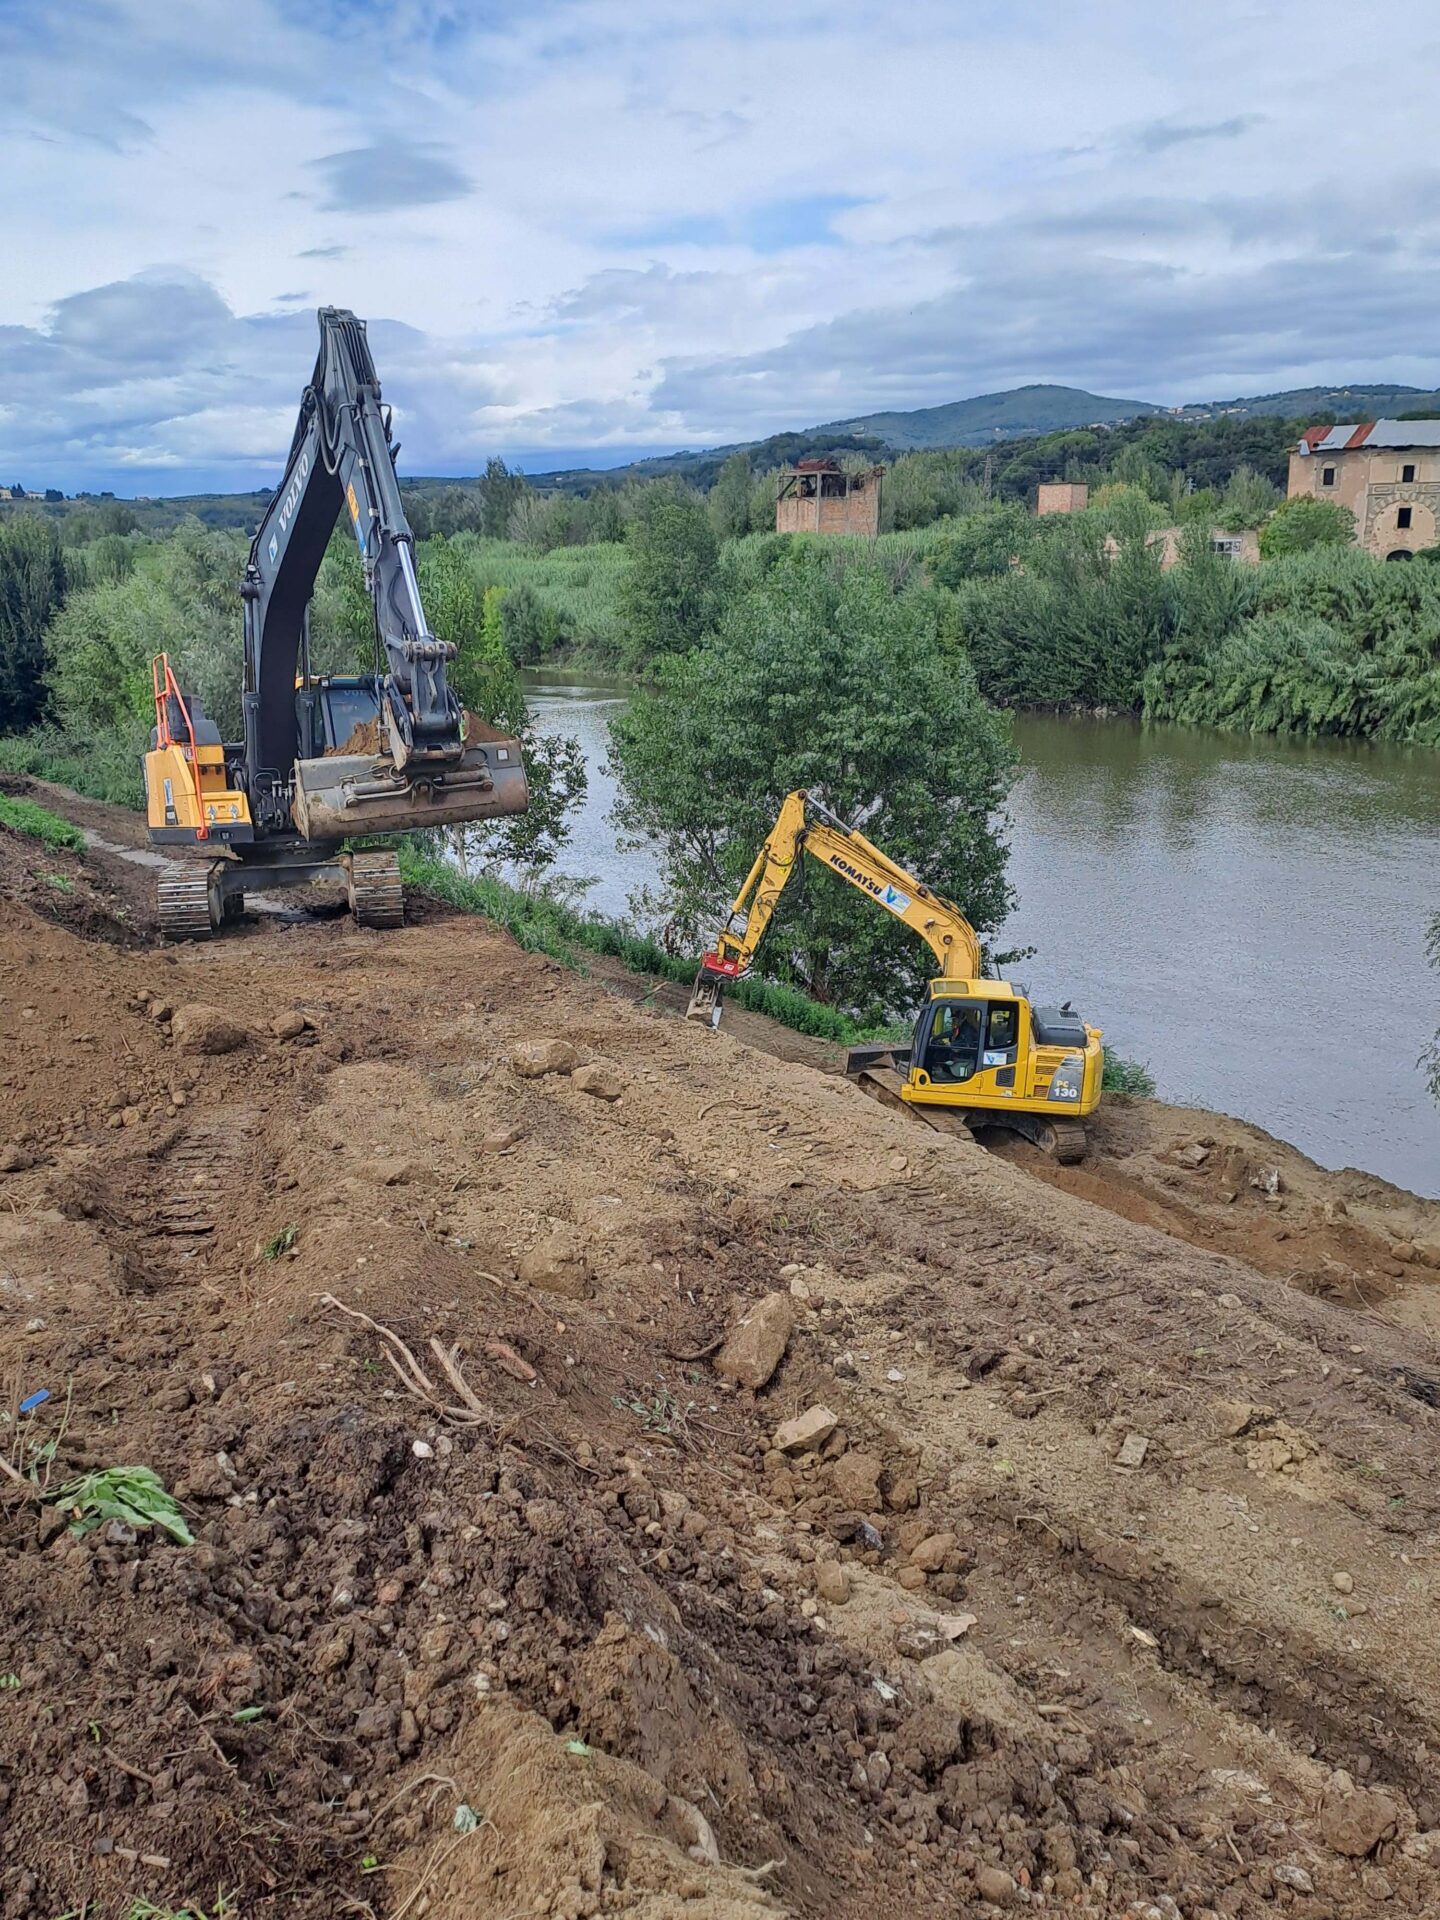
(167, 688)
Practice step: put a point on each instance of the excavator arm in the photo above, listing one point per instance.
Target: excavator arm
(342, 458)
(805, 825)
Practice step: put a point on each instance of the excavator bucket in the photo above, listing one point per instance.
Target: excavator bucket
(342, 794)
(707, 996)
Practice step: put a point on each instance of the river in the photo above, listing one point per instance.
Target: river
(1247, 916)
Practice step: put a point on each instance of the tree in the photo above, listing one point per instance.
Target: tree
(1248, 501)
(1306, 522)
(822, 678)
(32, 587)
(667, 594)
(729, 498)
(489, 687)
(977, 544)
(499, 489)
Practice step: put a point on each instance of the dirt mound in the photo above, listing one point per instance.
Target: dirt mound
(1108, 1585)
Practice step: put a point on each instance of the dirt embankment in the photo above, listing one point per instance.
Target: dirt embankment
(1106, 1582)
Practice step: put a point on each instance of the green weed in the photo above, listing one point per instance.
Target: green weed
(281, 1243)
(1127, 1076)
(133, 1495)
(61, 882)
(23, 816)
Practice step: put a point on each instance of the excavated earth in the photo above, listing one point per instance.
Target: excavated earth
(1106, 1584)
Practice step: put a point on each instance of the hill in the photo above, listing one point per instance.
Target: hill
(1346, 403)
(990, 416)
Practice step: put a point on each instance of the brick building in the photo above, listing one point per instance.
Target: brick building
(818, 496)
(1062, 496)
(1387, 472)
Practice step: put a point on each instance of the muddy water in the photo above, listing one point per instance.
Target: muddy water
(1247, 916)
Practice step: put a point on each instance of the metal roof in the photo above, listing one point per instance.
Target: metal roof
(1371, 434)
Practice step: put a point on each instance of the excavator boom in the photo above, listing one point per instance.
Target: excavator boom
(806, 825)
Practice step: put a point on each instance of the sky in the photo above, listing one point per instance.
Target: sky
(583, 230)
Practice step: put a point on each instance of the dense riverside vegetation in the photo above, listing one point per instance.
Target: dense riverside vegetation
(878, 669)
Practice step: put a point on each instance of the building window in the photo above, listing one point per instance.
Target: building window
(1402, 517)
(1327, 476)
(1407, 473)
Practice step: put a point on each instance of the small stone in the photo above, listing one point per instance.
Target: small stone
(501, 1139)
(559, 1263)
(878, 1770)
(130, 1117)
(1294, 1877)
(13, 1159)
(756, 1344)
(806, 1431)
(1193, 1156)
(1353, 1820)
(1233, 1417)
(288, 1026)
(389, 1170)
(598, 1079)
(931, 1553)
(1343, 1582)
(1230, 1301)
(161, 1010)
(832, 1583)
(542, 1057)
(894, 1376)
(1377, 1885)
(799, 1287)
(911, 1578)
(995, 1885)
(198, 1029)
(1133, 1450)
(422, 1449)
(855, 1479)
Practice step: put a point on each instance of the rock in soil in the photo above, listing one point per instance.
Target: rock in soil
(756, 1344)
(539, 1057)
(598, 1079)
(559, 1262)
(806, 1431)
(198, 1029)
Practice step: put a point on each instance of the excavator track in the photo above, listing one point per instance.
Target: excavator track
(185, 905)
(1064, 1141)
(377, 894)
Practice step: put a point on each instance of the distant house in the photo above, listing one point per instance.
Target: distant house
(1243, 548)
(1062, 496)
(1387, 472)
(818, 496)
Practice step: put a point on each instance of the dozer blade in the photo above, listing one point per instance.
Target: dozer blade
(350, 793)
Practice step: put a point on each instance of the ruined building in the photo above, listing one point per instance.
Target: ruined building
(1387, 472)
(818, 496)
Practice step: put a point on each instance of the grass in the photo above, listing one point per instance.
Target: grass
(1127, 1076)
(106, 768)
(543, 925)
(23, 816)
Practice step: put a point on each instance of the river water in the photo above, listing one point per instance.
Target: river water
(1245, 915)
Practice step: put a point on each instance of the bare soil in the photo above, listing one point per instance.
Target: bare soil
(1114, 1590)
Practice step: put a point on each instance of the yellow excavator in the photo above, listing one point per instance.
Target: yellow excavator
(981, 1055)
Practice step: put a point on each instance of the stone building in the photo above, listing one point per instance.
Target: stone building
(1062, 496)
(818, 496)
(1387, 472)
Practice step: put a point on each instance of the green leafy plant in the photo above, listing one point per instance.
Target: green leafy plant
(23, 816)
(224, 1909)
(1127, 1076)
(61, 882)
(281, 1242)
(135, 1496)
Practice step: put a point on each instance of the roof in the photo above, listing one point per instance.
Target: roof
(1371, 434)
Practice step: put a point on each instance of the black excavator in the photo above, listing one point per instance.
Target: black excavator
(326, 758)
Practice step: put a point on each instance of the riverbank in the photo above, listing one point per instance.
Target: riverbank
(1209, 899)
(947, 1652)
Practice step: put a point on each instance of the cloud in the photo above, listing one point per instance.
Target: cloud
(1161, 135)
(387, 174)
(322, 253)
